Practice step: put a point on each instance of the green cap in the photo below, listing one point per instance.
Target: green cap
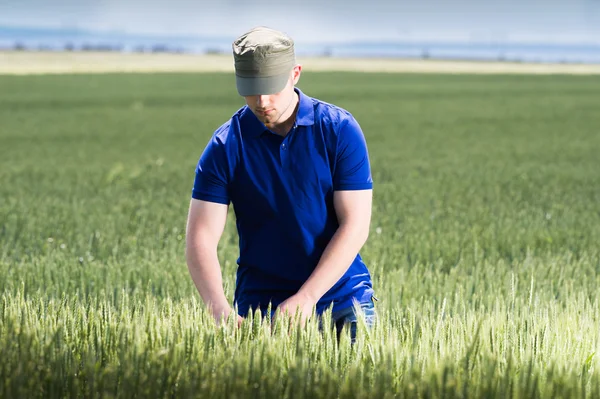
(263, 60)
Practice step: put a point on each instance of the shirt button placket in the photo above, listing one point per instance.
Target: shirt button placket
(283, 153)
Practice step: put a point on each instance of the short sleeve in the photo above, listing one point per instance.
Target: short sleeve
(352, 170)
(211, 182)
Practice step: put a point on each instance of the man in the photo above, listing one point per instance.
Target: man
(297, 172)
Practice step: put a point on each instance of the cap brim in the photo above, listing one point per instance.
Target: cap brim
(261, 86)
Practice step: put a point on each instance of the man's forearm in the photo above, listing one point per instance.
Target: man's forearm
(205, 270)
(335, 261)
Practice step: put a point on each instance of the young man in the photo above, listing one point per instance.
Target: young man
(297, 172)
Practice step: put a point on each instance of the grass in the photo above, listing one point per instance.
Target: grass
(483, 250)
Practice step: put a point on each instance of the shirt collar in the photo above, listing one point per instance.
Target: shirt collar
(306, 110)
(304, 117)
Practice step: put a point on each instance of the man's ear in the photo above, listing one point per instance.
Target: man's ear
(296, 73)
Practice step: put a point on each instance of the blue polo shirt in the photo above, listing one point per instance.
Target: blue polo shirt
(282, 189)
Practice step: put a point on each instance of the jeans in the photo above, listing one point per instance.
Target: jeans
(348, 318)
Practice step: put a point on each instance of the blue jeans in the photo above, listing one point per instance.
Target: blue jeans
(348, 318)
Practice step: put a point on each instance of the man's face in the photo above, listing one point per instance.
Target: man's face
(275, 108)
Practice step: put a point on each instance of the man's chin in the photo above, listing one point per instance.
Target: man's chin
(267, 121)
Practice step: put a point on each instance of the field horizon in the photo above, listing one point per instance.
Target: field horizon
(42, 63)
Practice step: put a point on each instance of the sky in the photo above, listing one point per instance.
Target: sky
(323, 20)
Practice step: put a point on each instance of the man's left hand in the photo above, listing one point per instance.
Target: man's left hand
(297, 302)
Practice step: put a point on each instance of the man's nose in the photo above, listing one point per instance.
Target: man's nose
(263, 101)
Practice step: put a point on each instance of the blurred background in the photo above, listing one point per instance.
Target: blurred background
(546, 31)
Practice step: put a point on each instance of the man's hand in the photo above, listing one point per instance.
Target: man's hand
(298, 302)
(222, 314)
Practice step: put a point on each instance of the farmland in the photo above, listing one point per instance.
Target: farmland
(484, 244)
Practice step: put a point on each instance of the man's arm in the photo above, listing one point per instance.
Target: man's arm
(205, 225)
(353, 210)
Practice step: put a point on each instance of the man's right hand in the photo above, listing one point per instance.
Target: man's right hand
(222, 314)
